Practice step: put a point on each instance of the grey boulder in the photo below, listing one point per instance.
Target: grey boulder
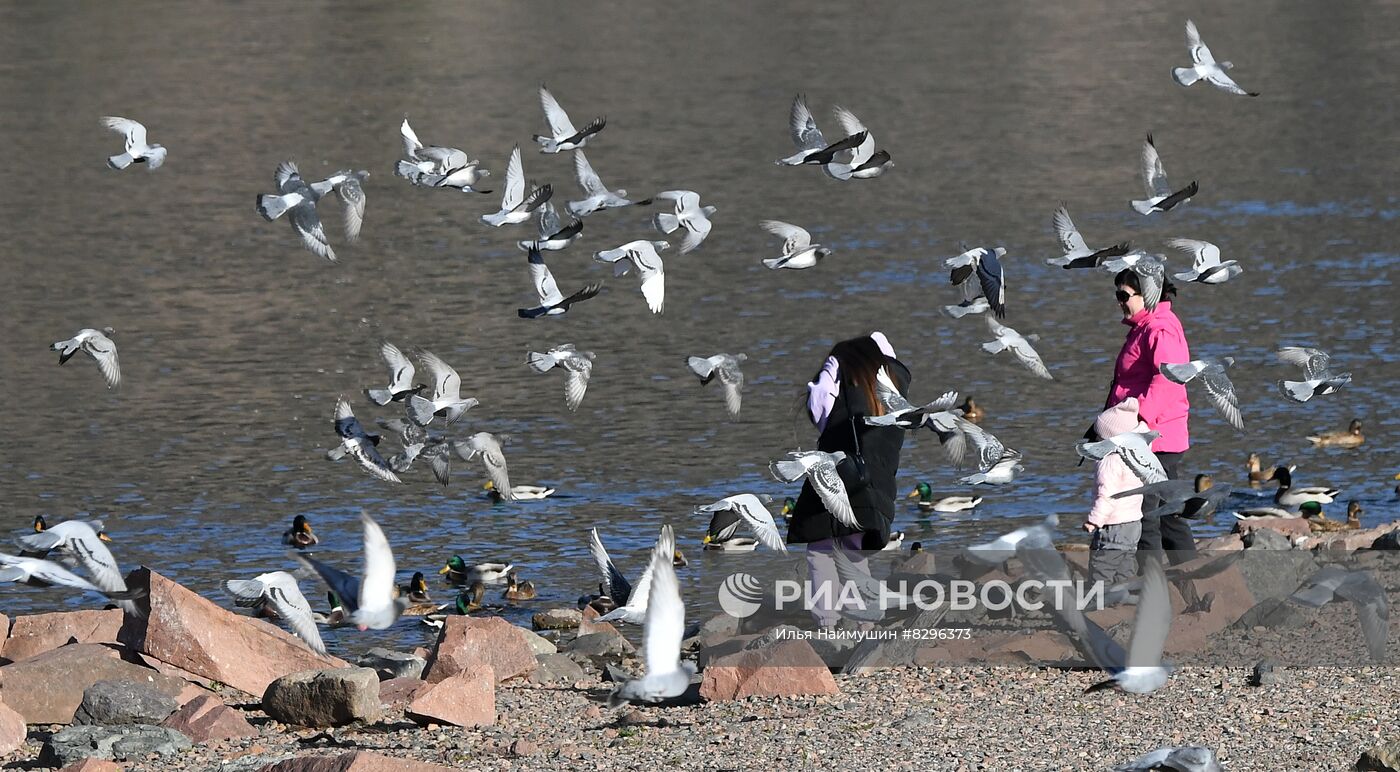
(123, 702)
(317, 698)
(119, 743)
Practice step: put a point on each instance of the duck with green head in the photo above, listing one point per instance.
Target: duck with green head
(458, 573)
(300, 534)
(947, 504)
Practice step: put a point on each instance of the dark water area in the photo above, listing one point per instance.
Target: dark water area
(235, 342)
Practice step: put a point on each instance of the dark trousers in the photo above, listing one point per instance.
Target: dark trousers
(1166, 532)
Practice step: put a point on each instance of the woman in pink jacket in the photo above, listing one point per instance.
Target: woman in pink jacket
(1155, 336)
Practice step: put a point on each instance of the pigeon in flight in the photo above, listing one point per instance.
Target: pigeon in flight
(819, 467)
(1020, 345)
(1361, 588)
(294, 195)
(81, 543)
(985, 264)
(865, 161)
(1151, 271)
(974, 302)
(1077, 253)
(727, 513)
(554, 235)
(137, 150)
(400, 377)
(358, 444)
(447, 393)
(1204, 67)
(663, 628)
(516, 205)
(597, 197)
(1141, 671)
(369, 600)
(688, 214)
(643, 255)
(812, 147)
(1160, 197)
(1206, 267)
(726, 368)
(1318, 377)
(577, 364)
(37, 572)
(552, 302)
(1040, 536)
(488, 446)
(277, 591)
(98, 345)
(1211, 374)
(937, 415)
(1186, 498)
(562, 134)
(614, 585)
(996, 463)
(1184, 758)
(798, 250)
(1135, 448)
(438, 167)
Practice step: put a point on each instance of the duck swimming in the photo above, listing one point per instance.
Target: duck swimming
(924, 492)
(1349, 437)
(300, 534)
(1319, 522)
(971, 411)
(1309, 509)
(458, 573)
(518, 492)
(416, 589)
(1288, 496)
(517, 590)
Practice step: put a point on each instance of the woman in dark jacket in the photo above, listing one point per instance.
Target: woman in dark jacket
(839, 397)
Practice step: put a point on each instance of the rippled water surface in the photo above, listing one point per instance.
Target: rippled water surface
(235, 342)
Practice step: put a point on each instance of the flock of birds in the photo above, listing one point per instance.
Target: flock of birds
(372, 599)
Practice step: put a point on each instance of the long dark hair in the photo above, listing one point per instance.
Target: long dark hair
(861, 360)
(1129, 278)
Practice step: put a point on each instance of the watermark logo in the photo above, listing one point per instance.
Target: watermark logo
(739, 595)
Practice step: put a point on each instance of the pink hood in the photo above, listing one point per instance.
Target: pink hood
(1113, 475)
(1155, 337)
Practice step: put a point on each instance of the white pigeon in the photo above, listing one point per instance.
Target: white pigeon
(746, 508)
(687, 214)
(1018, 344)
(1160, 196)
(819, 467)
(554, 235)
(985, 265)
(358, 444)
(726, 368)
(996, 463)
(973, 302)
(401, 373)
(438, 167)
(664, 628)
(447, 393)
(643, 255)
(1077, 253)
(798, 250)
(865, 161)
(1142, 672)
(597, 197)
(577, 364)
(38, 572)
(1184, 758)
(516, 205)
(488, 446)
(632, 605)
(1135, 448)
(137, 150)
(552, 301)
(562, 134)
(1211, 374)
(1206, 266)
(277, 591)
(98, 344)
(80, 543)
(1204, 67)
(1001, 549)
(1318, 376)
(375, 594)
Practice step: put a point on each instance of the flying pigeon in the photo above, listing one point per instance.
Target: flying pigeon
(663, 628)
(1160, 197)
(798, 250)
(1211, 374)
(726, 368)
(552, 302)
(865, 161)
(1206, 267)
(688, 214)
(643, 255)
(985, 264)
(1204, 67)
(358, 444)
(577, 364)
(727, 513)
(438, 167)
(996, 463)
(1135, 448)
(819, 467)
(294, 195)
(597, 197)
(1077, 254)
(1020, 345)
(137, 150)
(447, 393)
(516, 204)
(277, 591)
(98, 345)
(562, 134)
(400, 377)
(488, 446)
(554, 235)
(1318, 377)
(370, 600)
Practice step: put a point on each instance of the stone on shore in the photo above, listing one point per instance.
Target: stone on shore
(207, 718)
(538, 643)
(1366, 538)
(600, 647)
(48, 688)
(491, 641)
(397, 693)
(192, 633)
(317, 698)
(1382, 758)
(122, 743)
(768, 668)
(34, 634)
(1288, 526)
(12, 729)
(90, 764)
(466, 698)
(357, 761)
(392, 664)
(555, 668)
(557, 619)
(123, 702)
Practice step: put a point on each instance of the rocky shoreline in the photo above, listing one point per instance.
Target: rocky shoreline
(193, 686)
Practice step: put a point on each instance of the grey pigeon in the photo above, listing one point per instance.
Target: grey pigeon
(1184, 758)
(577, 364)
(516, 204)
(1365, 593)
(401, 373)
(798, 250)
(597, 197)
(864, 162)
(996, 463)
(554, 235)
(1077, 253)
(488, 447)
(1020, 345)
(642, 255)
(358, 444)
(1151, 271)
(298, 200)
(985, 264)
(98, 345)
(552, 301)
(1135, 448)
(1185, 498)
(1206, 267)
(1211, 374)
(686, 213)
(438, 167)
(446, 400)
(726, 368)
(819, 468)
(1160, 197)
(728, 513)
(1318, 376)
(277, 591)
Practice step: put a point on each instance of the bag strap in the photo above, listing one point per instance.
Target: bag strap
(855, 435)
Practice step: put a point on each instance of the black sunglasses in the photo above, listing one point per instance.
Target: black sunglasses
(1123, 295)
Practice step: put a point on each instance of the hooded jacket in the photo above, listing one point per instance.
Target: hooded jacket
(1155, 336)
(1113, 475)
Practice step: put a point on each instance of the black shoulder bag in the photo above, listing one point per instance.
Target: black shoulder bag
(852, 470)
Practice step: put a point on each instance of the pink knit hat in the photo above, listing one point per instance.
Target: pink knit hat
(1122, 417)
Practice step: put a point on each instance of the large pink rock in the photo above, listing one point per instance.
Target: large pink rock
(47, 689)
(92, 765)
(358, 761)
(491, 641)
(465, 699)
(1352, 540)
(397, 693)
(191, 633)
(37, 633)
(12, 729)
(206, 718)
(787, 668)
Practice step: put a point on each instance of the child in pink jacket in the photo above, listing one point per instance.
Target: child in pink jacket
(1115, 524)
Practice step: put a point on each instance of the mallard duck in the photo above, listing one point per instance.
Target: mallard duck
(1288, 496)
(895, 543)
(917, 546)
(1308, 509)
(518, 492)
(336, 616)
(300, 534)
(469, 600)
(971, 411)
(1257, 475)
(416, 589)
(790, 504)
(1318, 522)
(518, 590)
(459, 573)
(677, 559)
(1342, 438)
(1354, 511)
(41, 525)
(601, 603)
(924, 493)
